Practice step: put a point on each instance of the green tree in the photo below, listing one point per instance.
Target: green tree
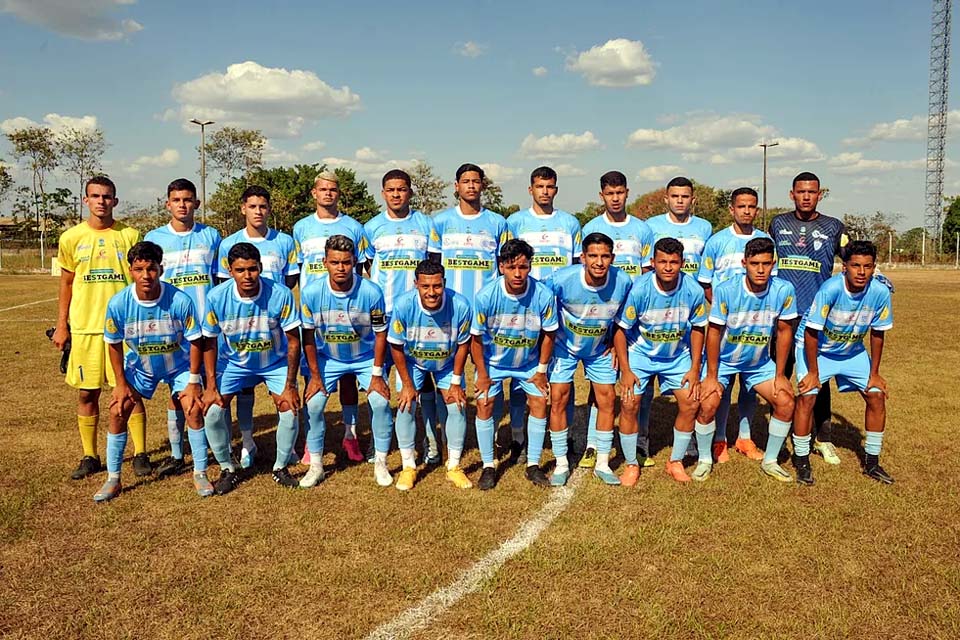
(36, 148)
(236, 152)
(6, 181)
(80, 151)
(951, 224)
(355, 200)
(490, 198)
(590, 211)
(910, 244)
(145, 217)
(428, 189)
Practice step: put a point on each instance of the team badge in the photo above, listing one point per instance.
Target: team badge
(885, 313)
(211, 318)
(825, 310)
(788, 301)
(631, 313)
(723, 308)
(111, 326)
(397, 326)
(190, 323)
(709, 262)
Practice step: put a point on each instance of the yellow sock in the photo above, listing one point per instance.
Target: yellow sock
(137, 426)
(88, 434)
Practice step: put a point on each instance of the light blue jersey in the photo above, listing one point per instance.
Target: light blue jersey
(844, 319)
(430, 338)
(632, 241)
(254, 329)
(344, 322)
(586, 313)
(156, 333)
(510, 325)
(750, 319)
(278, 255)
(189, 259)
(693, 233)
(555, 239)
(469, 246)
(310, 236)
(658, 322)
(723, 256)
(399, 244)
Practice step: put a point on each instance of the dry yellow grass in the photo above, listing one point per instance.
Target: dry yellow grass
(738, 557)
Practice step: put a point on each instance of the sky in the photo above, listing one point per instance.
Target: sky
(652, 88)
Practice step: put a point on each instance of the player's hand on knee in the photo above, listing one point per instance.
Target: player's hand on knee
(211, 397)
(455, 395)
(691, 382)
(314, 387)
(808, 383)
(408, 395)
(782, 385)
(876, 381)
(289, 400)
(540, 381)
(379, 385)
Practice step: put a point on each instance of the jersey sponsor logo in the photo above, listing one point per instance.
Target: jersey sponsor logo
(665, 335)
(749, 339)
(548, 261)
(690, 266)
(842, 336)
(800, 264)
(630, 269)
(340, 337)
(399, 264)
(468, 264)
(190, 280)
(103, 275)
(430, 354)
(252, 346)
(586, 332)
(316, 267)
(157, 349)
(518, 342)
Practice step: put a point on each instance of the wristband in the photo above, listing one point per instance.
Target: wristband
(455, 379)
(541, 368)
(195, 378)
(377, 371)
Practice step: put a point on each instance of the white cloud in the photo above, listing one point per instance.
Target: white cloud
(277, 101)
(314, 146)
(658, 173)
(469, 49)
(164, 159)
(616, 63)
(853, 163)
(568, 171)
(366, 154)
(558, 145)
(272, 156)
(866, 181)
(499, 173)
(368, 163)
(901, 130)
(56, 122)
(539, 71)
(83, 19)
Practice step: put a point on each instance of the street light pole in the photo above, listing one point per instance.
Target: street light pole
(763, 219)
(203, 167)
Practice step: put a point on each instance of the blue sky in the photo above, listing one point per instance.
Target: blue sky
(654, 89)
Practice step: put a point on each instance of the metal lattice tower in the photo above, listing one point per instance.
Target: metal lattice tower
(937, 115)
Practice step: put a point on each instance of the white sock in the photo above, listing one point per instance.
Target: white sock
(562, 464)
(316, 463)
(453, 458)
(408, 458)
(113, 475)
(248, 442)
(603, 461)
(381, 457)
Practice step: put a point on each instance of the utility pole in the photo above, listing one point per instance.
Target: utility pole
(203, 167)
(763, 219)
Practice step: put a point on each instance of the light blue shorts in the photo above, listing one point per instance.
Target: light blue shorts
(332, 370)
(749, 376)
(442, 379)
(520, 377)
(669, 373)
(232, 378)
(598, 369)
(146, 384)
(852, 372)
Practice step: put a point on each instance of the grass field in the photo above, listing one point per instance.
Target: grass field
(737, 557)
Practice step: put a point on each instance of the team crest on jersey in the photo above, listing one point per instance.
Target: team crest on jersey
(211, 318)
(788, 301)
(708, 262)
(699, 310)
(825, 310)
(189, 323)
(723, 308)
(305, 311)
(397, 326)
(111, 326)
(481, 319)
(285, 312)
(885, 313)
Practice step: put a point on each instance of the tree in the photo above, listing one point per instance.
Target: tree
(81, 150)
(490, 198)
(428, 189)
(6, 181)
(590, 211)
(910, 244)
(144, 218)
(236, 152)
(36, 148)
(875, 228)
(711, 204)
(355, 200)
(951, 224)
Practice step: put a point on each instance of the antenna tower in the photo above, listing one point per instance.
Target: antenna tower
(937, 115)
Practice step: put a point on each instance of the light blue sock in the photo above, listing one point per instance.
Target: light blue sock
(592, 428)
(779, 430)
(349, 413)
(485, 440)
(536, 432)
(218, 436)
(874, 441)
(705, 440)
(116, 443)
(628, 442)
(604, 442)
(746, 405)
(518, 406)
(723, 414)
(558, 443)
(428, 409)
(175, 423)
(801, 445)
(681, 440)
(198, 447)
(406, 426)
(245, 403)
(316, 424)
(643, 419)
(380, 422)
(287, 429)
(456, 427)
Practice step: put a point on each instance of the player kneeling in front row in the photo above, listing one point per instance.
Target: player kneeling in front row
(589, 296)
(258, 321)
(344, 324)
(154, 320)
(514, 321)
(746, 311)
(659, 334)
(831, 346)
(430, 335)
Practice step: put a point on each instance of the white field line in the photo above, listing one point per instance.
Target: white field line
(27, 304)
(420, 616)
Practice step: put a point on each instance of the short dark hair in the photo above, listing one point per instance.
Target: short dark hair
(429, 267)
(182, 184)
(757, 246)
(544, 173)
(243, 251)
(254, 191)
(612, 179)
(146, 251)
(670, 246)
(103, 181)
(468, 167)
(680, 181)
(597, 238)
(805, 176)
(858, 248)
(743, 191)
(395, 174)
(514, 248)
(340, 242)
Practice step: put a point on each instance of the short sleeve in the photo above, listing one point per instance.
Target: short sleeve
(788, 310)
(289, 314)
(577, 234)
(646, 250)
(463, 324)
(883, 315)
(65, 257)
(548, 312)
(819, 308)
(698, 309)
(627, 317)
(211, 323)
(188, 313)
(292, 267)
(433, 238)
(397, 333)
(478, 322)
(378, 312)
(705, 275)
(719, 309)
(113, 322)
